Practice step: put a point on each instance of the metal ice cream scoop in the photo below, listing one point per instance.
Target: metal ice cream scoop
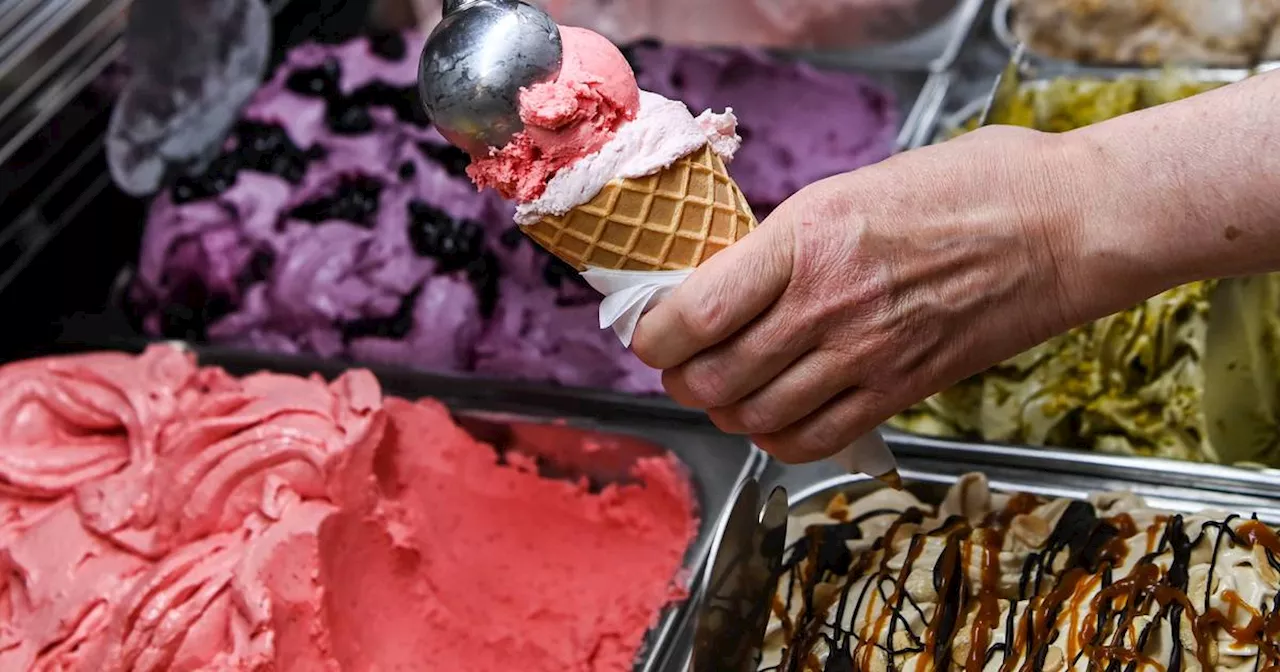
(476, 61)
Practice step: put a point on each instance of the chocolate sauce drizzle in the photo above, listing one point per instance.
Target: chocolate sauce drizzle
(1080, 602)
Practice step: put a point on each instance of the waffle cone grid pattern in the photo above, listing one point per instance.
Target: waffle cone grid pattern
(671, 220)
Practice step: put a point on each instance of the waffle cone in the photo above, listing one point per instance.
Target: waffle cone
(673, 219)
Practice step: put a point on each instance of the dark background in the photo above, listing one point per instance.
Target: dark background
(68, 237)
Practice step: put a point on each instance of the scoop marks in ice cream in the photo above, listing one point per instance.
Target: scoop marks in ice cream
(158, 515)
(565, 119)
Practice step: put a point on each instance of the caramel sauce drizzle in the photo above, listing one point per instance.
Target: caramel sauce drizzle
(1072, 599)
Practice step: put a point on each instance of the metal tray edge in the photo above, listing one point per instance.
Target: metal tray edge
(1013, 480)
(968, 14)
(1065, 461)
(936, 117)
(677, 649)
(924, 115)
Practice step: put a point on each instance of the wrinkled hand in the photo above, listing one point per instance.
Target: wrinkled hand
(867, 292)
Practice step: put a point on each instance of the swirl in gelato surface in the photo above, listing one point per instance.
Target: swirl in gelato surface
(990, 582)
(337, 222)
(159, 515)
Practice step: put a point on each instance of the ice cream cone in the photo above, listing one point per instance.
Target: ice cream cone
(673, 219)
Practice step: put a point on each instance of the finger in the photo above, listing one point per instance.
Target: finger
(797, 393)
(747, 361)
(718, 299)
(827, 431)
(721, 379)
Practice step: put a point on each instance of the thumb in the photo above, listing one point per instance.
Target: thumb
(721, 296)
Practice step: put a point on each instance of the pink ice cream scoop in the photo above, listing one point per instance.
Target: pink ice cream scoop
(564, 119)
(523, 96)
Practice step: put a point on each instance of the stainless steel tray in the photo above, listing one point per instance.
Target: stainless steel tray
(629, 428)
(933, 50)
(929, 467)
(1002, 28)
(941, 110)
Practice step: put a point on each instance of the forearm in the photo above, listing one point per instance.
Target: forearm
(1181, 192)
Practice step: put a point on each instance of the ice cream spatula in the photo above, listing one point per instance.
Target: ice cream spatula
(740, 582)
(476, 61)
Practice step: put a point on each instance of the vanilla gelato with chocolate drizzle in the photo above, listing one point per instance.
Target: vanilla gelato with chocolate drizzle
(997, 583)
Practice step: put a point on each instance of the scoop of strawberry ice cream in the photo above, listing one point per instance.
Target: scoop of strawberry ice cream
(565, 119)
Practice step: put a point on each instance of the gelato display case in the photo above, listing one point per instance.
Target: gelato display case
(333, 245)
(336, 223)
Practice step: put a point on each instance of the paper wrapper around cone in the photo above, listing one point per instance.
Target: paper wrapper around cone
(674, 219)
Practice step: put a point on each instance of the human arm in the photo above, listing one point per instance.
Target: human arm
(1181, 192)
(866, 292)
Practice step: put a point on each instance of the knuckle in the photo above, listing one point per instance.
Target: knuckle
(708, 385)
(758, 418)
(707, 318)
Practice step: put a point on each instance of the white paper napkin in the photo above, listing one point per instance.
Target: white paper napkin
(630, 294)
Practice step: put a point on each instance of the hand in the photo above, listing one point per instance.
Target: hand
(867, 292)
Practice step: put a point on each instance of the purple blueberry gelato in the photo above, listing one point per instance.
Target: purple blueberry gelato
(337, 222)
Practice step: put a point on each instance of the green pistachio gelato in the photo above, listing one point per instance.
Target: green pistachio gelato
(1129, 383)
(1066, 104)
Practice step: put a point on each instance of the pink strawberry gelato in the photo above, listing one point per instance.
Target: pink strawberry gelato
(157, 515)
(593, 124)
(565, 119)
